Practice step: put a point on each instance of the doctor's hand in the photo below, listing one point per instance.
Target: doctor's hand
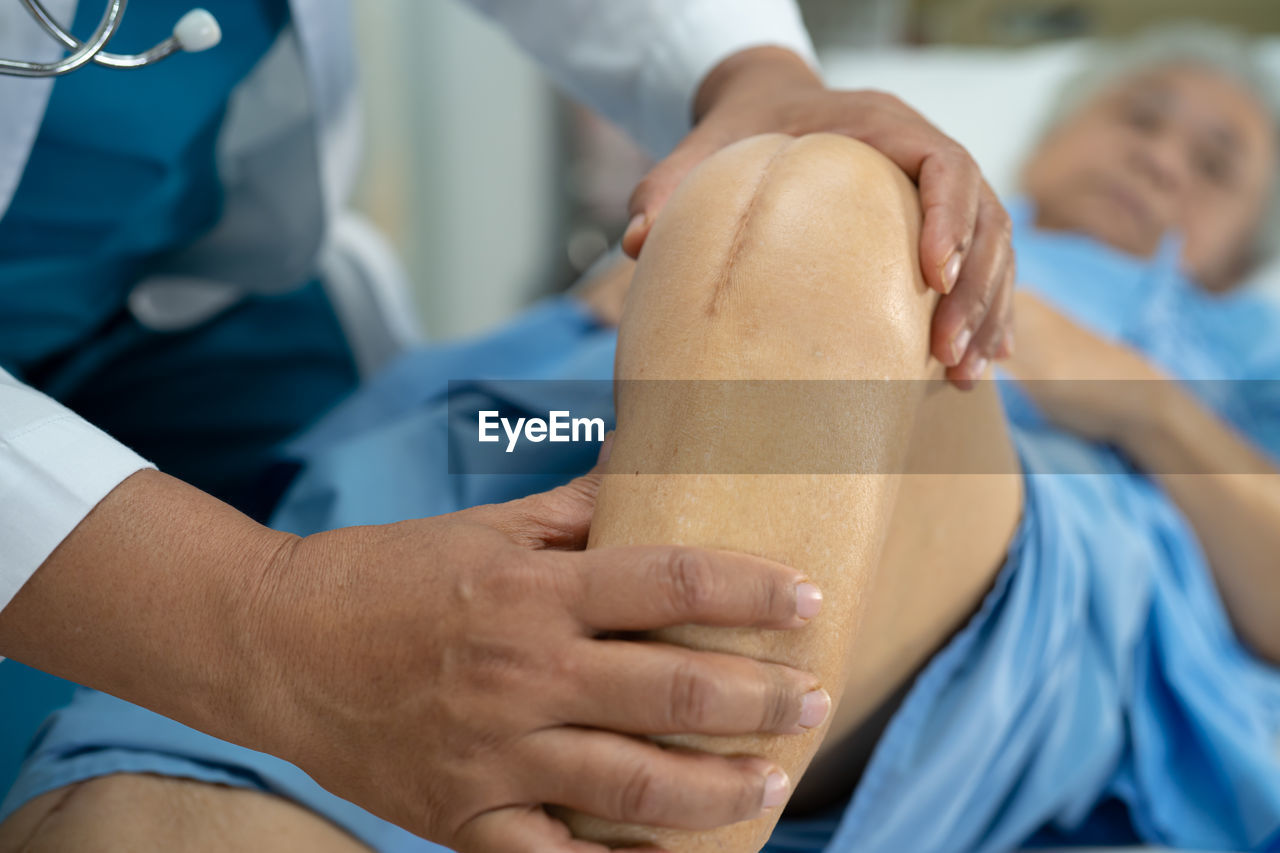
(454, 674)
(450, 674)
(965, 252)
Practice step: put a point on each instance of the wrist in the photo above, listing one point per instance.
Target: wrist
(748, 73)
(147, 599)
(266, 611)
(1148, 413)
(250, 675)
(203, 664)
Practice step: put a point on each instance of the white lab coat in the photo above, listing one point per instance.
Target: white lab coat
(287, 157)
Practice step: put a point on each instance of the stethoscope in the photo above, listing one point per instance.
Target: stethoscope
(197, 30)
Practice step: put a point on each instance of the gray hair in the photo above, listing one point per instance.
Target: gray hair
(1227, 52)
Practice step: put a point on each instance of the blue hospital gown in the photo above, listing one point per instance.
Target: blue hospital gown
(1098, 693)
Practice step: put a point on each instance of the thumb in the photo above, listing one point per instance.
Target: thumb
(655, 188)
(561, 518)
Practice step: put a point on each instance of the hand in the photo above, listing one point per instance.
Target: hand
(1087, 385)
(454, 674)
(965, 252)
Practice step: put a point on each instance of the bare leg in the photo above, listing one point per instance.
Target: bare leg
(791, 258)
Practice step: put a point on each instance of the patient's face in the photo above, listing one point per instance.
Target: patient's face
(1182, 148)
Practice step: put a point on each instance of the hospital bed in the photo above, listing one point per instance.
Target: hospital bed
(370, 291)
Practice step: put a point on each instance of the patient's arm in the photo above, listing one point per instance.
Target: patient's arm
(1227, 488)
(791, 258)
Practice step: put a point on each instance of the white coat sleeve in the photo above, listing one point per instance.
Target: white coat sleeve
(54, 467)
(640, 62)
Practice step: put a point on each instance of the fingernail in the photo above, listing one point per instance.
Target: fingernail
(978, 367)
(1006, 345)
(951, 271)
(606, 448)
(960, 345)
(776, 788)
(808, 600)
(814, 708)
(633, 225)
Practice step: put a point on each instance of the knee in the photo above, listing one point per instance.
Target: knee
(779, 238)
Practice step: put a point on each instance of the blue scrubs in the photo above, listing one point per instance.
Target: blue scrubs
(122, 172)
(1098, 694)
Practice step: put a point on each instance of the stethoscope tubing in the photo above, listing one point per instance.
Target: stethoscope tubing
(111, 60)
(82, 55)
(195, 31)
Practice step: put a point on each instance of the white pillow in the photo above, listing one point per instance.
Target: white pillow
(993, 101)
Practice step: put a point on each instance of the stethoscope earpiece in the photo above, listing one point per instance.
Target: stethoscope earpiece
(197, 30)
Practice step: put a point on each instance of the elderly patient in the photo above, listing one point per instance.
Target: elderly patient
(1053, 609)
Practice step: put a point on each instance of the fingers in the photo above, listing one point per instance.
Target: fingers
(651, 194)
(633, 781)
(652, 689)
(950, 188)
(640, 588)
(965, 255)
(558, 519)
(526, 829)
(979, 295)
(989, 342)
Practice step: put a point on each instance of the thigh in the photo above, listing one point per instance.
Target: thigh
(957, 508)
(128, 813)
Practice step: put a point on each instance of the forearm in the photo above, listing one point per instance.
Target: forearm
(149, 599)
(743, 76)
(1228, 491)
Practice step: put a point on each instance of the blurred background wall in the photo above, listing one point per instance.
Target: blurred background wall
(463, 159)
(497, 191)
